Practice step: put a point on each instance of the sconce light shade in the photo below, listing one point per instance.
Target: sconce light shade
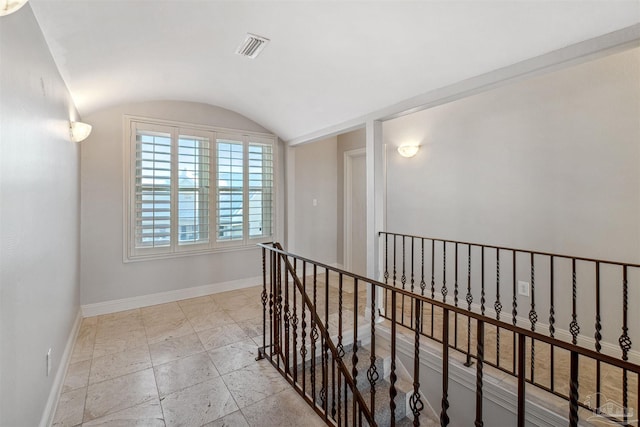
(10, 6)
(79, 131)
(408, 150)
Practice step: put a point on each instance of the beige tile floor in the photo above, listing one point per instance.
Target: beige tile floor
(187, 363)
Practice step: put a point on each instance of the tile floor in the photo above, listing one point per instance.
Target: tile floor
(187, 363)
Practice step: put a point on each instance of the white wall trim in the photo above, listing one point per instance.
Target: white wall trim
(347, 248)
(61, 373)
(114, 306)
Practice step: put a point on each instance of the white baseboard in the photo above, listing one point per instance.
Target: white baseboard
(113, 306)
(61, 373)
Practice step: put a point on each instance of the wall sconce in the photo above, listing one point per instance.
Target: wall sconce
(9, 6)
(408, 150)
(79, 131)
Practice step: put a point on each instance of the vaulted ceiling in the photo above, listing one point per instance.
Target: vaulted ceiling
(327, 62)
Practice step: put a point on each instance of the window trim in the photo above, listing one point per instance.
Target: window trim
(133, 254)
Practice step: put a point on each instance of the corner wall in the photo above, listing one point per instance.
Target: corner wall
(39, 222)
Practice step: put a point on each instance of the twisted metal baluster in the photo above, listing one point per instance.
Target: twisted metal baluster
(415, 401)
(372, 373)
(386, 269)
(497, 306)
(287, 319)
(303, 346)
(574, 328)
(340, 346)
(433, 282)
(294, 323)
(514, 306)
(444, 291)
(412, 278)
(552, 319)
(482, 293)
(479, 373)
(263, 298)
(325, 345)
(625, 340)
(455, 298)
(403, 279)
(314, 335)
(469, 302)
(598, 335)
(392, 376)
(533, 316)
(423, 284)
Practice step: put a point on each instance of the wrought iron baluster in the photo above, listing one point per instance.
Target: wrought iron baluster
(625, 340)
(423, 284)
(574, 328)
(533, 316)
(482, 293)
(573, 391)
(444, 290)
(314, 333)
(514, 305)
(287, 319)
(497, 306)
(455, 299)
(294, 323)
(303, 346)
(394, 262)
(354, 356)
(263, 298)
(469, 302)
(372, 373)
(278, 343)
(340, 346)
(386, 270)
(444, 406)
(415, 402)
(403, 279)
(433, 281)
(479, 374)
(552, 319)
(598, 335)
(521, 379)
(412, 280)
(392, 376)
(325, 346)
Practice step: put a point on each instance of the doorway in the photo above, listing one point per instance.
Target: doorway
(355, 211)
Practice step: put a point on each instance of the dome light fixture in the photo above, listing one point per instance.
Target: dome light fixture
(79, 131)
(408, 150)
(9, 6)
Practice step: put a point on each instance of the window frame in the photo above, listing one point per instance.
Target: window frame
(133, 124)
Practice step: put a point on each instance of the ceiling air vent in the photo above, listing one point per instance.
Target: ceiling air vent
(252, 45)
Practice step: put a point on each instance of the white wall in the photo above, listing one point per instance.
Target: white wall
(104, 276)
(347, 141)
(547, 164)
(39, 220)
(315, 178)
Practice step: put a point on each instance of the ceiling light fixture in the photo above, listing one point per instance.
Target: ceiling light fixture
(9, 6)
(79, 131)
(252, 45)
(408, 150)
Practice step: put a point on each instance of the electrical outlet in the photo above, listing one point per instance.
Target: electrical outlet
(48, 362)
(523, 288)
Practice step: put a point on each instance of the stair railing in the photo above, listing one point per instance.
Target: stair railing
(286, 309)
(282, 311)
(488, 279)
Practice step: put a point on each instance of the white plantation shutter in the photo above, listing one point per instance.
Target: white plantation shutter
(230, 189)
(152, 189)
(260, 203)
(195, 189)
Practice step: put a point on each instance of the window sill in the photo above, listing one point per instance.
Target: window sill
(154, 257)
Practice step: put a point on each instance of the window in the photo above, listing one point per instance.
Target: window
(194, 189)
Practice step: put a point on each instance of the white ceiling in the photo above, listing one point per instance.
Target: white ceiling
(327, 62)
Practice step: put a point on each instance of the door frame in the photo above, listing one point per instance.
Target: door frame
(347, 244)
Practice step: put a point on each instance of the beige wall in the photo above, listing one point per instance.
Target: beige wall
(104, 276)
(39, 220)
(315, 177)
(547, 164)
